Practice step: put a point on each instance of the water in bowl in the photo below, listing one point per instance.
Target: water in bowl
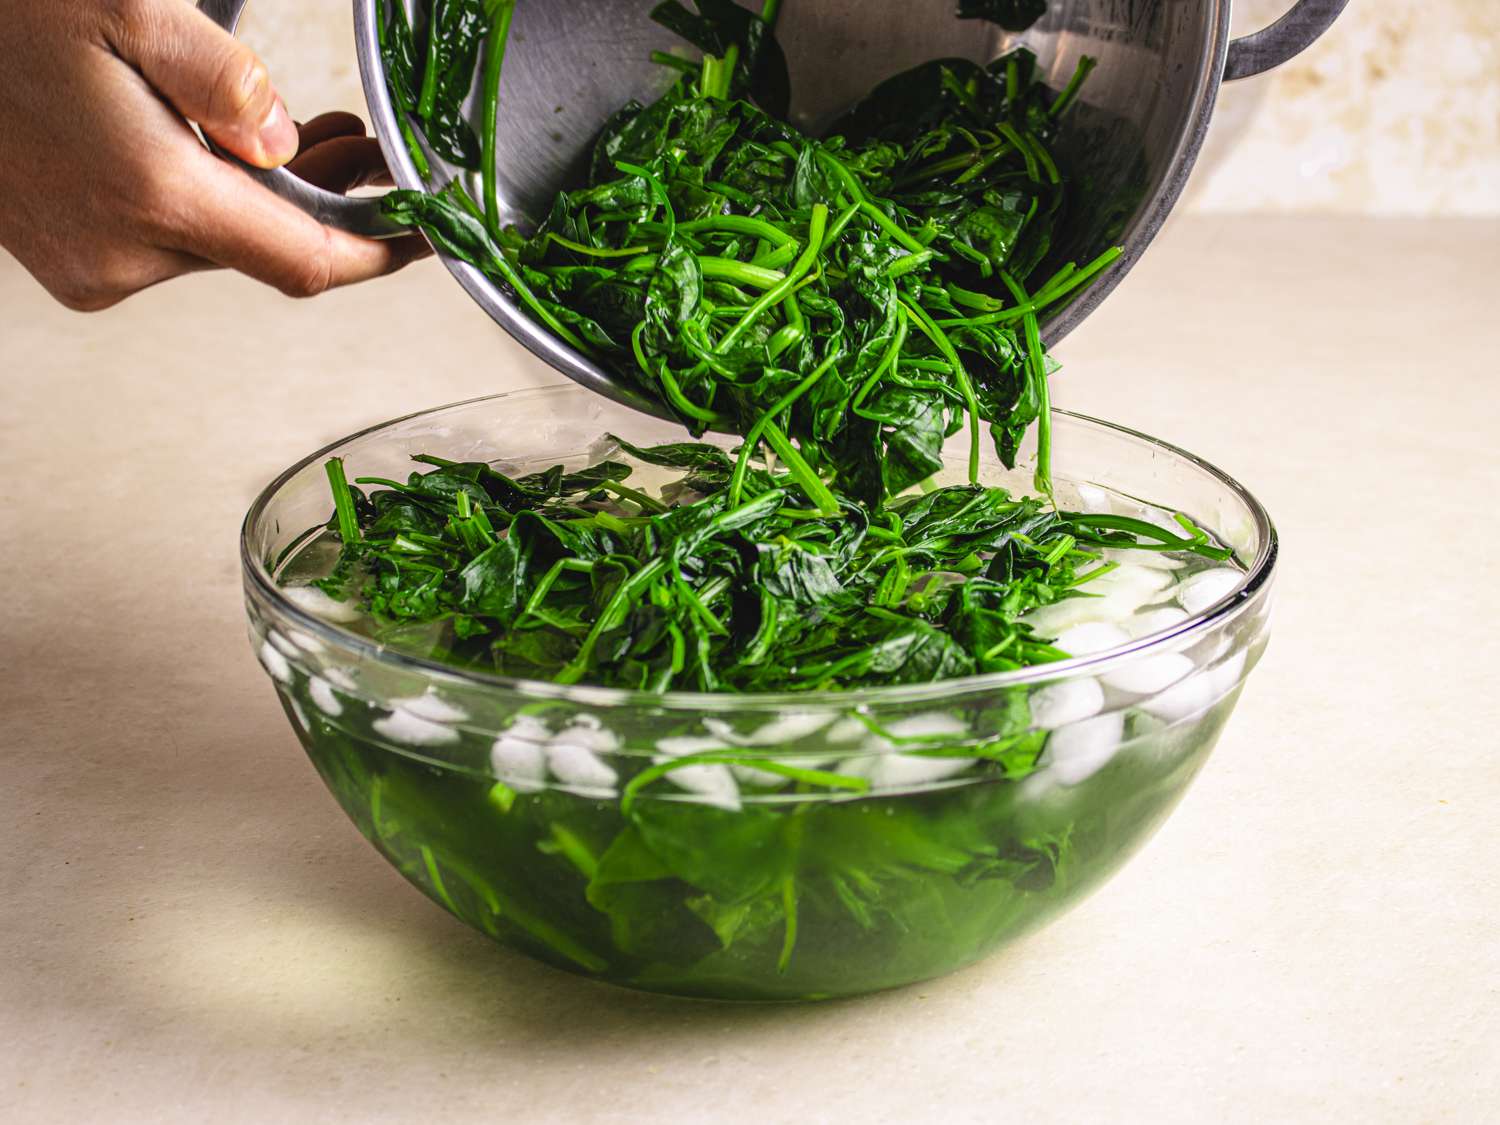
(960, 823)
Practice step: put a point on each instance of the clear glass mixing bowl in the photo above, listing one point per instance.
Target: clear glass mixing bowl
(972, 811)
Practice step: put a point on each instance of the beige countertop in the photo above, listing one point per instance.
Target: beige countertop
(191, 931)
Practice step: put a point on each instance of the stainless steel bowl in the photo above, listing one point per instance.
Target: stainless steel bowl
(572, 63)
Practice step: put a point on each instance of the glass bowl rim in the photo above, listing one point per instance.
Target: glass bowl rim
(1256, 579)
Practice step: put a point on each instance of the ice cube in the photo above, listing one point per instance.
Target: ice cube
(340, 678)
(1135, 556)
(1092, 498)
(1198, 592)
(1076, 752)
(792, 727)
(316, 602)
(575, 757)
(1127, 581)
(1050, 620)
(1197, 692)
(1095, 636)
(1067, 701)
(320, 691)
(1147, 675)
(433, 707)
(713, 784)
(912, 771)
(274, 663)
(519, 755)
(682, 745)
(581, 770)
(931, 725)
(1112, 597)
(411, 729)
(849, 729)
(305, 641)
(1150, 621)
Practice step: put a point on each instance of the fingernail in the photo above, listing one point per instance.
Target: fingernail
(278, 135)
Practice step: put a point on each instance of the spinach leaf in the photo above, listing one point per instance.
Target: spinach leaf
(1013, 15)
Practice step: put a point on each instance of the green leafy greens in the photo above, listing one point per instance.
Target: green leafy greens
(741, 584)
(856, 300)
(846, 305)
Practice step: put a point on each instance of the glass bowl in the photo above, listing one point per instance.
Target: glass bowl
(561, 821)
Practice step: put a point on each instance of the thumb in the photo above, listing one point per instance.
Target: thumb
(210, 77)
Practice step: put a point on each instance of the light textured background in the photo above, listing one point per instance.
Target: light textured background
(1395, 112)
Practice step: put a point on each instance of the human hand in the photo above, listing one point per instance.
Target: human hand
(105, 189)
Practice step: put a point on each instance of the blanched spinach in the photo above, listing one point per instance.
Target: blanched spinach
(737, 583)
(854, 300)
(845, 305)
(430, 72)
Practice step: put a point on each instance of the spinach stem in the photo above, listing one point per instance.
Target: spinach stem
(857, 191)
(427, 100)
(708, 83)
(1085, 65)
(494, 63)
(788, 284)
(596, 251)
(695, 603)
(789, 911)
(726, 71)
(1036, 366)
(836, 228)
(343, 502)
(891, 227)
(827, 779)
(965, 385)
(647, 503)
(801, 471)
(741, 224)
(680, 400)
(752, 439)
(414, 148)
(609, 618)
(887, 362)
(1064, 283)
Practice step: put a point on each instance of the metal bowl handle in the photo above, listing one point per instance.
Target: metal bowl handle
(361, 216)
(1285, 39)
